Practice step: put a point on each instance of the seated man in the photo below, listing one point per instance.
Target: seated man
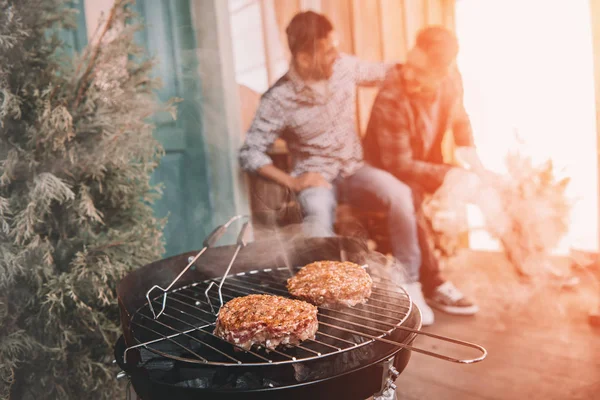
(313, 107)
(415, 107)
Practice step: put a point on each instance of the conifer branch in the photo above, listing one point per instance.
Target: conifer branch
(95, 53)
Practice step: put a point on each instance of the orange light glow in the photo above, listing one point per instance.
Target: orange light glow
(528, 72)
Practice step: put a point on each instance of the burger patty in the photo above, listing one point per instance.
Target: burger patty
(266, 320)
(331, 283)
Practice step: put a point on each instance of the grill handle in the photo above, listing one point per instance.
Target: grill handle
(445, 339)
(244, 236)
(416, 349)
(242, 240)
(214, 236)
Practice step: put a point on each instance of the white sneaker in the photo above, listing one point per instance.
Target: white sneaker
(416, 295)
(448, 298)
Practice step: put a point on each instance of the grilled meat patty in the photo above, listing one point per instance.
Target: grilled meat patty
(267, 321)
(331, 283)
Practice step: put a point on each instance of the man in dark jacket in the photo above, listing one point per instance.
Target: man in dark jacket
(418, 103)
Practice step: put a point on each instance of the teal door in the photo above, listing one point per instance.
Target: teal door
(75, 39)
(169, 37)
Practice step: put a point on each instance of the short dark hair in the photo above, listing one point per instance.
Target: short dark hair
(305, 29)
(439, 43)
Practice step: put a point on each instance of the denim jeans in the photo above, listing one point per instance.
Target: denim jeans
(373, 189)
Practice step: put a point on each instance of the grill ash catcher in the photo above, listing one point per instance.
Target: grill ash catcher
(168, 348)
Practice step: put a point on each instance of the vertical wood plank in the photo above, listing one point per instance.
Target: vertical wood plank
(367, 39)
(449, 7)
(284, 12)
(366, 34)
(314, 5)
(595, 15)
(339, 13)
(434, 12)
(393, 33)
(414, 19)
(270, 46)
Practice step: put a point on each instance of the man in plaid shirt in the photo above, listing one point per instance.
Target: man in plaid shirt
(313, 107)
(418, 103)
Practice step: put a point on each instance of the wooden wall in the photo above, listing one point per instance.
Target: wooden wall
(595, 14)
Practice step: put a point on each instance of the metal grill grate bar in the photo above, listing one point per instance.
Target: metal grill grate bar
(376, 286)
(353, 323)
(177, 301)
(363, 306)
(196, 301)
(193, 338)
(194, 305)
(375, 294)
(283, 354)
(307, 349)
(172, 341)
(145, 344)
(210, 333)
(337, 338)
(326, 344)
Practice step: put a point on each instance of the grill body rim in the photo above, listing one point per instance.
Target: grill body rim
(357, 384)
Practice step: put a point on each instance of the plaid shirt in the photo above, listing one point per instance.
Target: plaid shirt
(319, 129)
(398, 138)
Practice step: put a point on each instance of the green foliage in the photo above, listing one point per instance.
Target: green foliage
(76, 153)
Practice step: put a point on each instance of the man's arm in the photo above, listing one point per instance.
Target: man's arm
(462, 130)
(461, 124)
(368, 73)
(267, 126)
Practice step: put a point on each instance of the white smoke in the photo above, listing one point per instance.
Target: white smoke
(526, 210)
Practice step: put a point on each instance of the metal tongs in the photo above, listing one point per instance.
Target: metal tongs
(242, 241)
(210, 240)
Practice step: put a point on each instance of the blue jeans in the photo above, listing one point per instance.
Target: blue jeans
(373, 189)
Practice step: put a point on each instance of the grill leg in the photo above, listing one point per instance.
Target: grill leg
(130, 394)
(389, 394)
(388, 391)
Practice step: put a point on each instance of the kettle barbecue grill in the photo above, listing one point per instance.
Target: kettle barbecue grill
(168, 311)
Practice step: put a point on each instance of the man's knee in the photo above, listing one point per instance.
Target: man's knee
(400, 196)
(318, 206)
(317, 202)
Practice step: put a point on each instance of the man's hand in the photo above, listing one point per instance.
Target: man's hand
(297, 184)
(308, 180)
(468, 158)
